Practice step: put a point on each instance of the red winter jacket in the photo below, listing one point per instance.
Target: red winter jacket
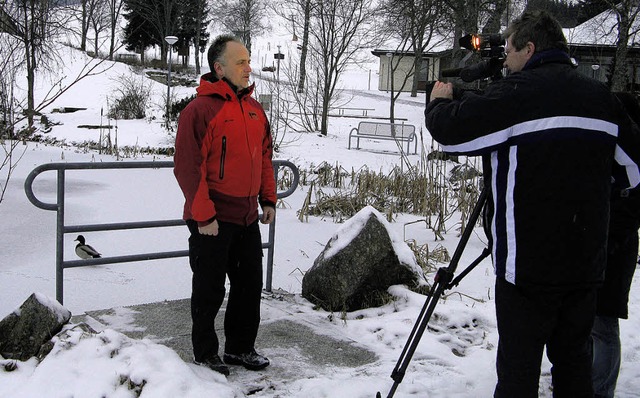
(223, 155)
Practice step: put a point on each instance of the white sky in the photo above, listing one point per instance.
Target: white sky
(84, 366)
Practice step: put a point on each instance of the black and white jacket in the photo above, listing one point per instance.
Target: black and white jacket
(553, 141)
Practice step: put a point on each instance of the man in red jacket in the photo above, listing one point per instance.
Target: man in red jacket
(223, 166)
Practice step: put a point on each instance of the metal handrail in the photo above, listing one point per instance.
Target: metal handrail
(62, 229)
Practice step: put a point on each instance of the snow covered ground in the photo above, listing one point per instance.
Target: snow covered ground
(455, 358)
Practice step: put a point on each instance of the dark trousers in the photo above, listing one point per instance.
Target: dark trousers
(235, 252)
(606, 355)
(529, 320)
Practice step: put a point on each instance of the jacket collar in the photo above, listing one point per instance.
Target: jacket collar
(211, 85)
(548, 57)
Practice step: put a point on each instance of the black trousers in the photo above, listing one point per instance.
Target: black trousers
(235, 252)
(529, 320)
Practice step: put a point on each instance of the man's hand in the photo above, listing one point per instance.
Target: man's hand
(268, 215)
(209, 229)
(442, 90)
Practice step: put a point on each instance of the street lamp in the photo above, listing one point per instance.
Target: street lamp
(171, 40)
(595, 68)
(278, 56)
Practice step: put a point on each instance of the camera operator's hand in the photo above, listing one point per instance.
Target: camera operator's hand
(442, 90)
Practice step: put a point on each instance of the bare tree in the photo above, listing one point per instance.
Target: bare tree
(37, 24)
(626, 13)
(496, 10)
(618, 25)
(85, 11)
(339, 29)
(99, 21)
(84, 14)
(115, 9)
(300, 18)
(292, 108)
(243, 18)
(29, 47)
(416, 23)
(9, 142)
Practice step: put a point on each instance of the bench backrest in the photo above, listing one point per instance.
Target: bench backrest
(386, 129)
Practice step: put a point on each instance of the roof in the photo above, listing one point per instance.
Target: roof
(601, 30)
(410, 53)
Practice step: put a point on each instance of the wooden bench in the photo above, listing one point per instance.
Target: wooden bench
(385, 131)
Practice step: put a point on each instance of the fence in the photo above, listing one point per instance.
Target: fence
(62, 229)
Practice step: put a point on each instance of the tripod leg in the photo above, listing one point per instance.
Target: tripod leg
(442, 282)
(418, 329)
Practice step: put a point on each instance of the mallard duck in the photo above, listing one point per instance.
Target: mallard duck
(85, 251)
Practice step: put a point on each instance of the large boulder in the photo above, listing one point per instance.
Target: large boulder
(358, 265)
(27, 329)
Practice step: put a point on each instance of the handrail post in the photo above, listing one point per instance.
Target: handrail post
(60, 236)
(270, 251)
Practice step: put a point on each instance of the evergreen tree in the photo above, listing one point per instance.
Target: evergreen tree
(150, 21)
(591, 8)
(566, 13)
(192, 26)
(138, 30)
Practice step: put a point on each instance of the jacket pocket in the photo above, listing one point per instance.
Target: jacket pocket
(223, 153)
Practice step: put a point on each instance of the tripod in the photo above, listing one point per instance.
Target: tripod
(443, 281)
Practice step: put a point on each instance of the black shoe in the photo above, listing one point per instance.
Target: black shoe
(250, 360)
(215, 364)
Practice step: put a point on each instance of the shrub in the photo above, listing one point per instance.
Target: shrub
(130, 98)
(178, 106)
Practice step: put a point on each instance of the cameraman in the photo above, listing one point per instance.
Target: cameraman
(552, 140)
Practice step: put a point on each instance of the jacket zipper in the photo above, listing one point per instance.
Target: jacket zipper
(246, 136)
(222, 156)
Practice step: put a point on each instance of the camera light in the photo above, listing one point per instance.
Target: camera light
(479, 41)
(476, 42)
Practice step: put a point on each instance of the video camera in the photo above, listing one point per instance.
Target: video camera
(490, 47)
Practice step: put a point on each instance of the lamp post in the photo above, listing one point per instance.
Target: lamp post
(595, 68)
(278, 56)
(171, 40)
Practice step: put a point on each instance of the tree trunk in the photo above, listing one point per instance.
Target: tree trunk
(96, 46)
(84, 26)
(198, 31)
(495, 18)
(619, 75)
(29, 47)
(114, 9)
(197, 56)
(324, 121)
(305, 44)
(417, 68)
